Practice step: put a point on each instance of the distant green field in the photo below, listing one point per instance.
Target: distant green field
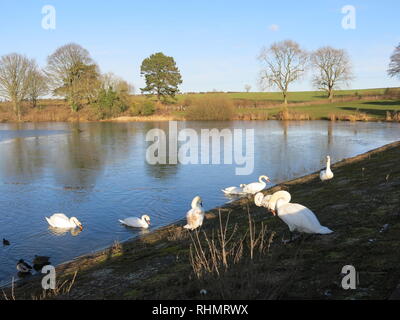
(375, 109)
(300, 96)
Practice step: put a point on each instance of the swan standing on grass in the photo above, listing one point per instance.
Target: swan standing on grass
(195, 216)
(135, 222)
(61, 221)
(296, 216)
(326, 174)
(234, 190)
(255, 187)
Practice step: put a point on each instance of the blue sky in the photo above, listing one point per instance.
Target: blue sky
(215, 43)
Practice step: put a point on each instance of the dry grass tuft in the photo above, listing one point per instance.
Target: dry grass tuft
(393, 116)
(211, 107)
(292, 115)
(177, 234)
(60, 291)
(215, 254)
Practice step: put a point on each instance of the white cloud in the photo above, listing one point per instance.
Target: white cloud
(273, 27)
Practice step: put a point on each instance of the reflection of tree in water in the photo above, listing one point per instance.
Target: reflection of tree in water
(86, 151)
(161, 171)
(22, 158)
(76, 158)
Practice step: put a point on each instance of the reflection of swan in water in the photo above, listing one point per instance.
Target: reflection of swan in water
(144, 231)
(62, 232)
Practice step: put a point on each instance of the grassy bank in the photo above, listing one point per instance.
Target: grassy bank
(348, 105)
(361, 204)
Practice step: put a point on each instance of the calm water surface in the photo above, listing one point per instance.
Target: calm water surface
(98, 173)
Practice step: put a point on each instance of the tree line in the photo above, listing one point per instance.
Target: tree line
(72, 74)
(286, 62)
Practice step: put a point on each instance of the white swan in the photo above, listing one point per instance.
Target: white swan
(255, 187)
(326, 174)
(296, 216)
(234, 190)
(262, 201)
(60, 220)
(135, 222)
(195, 216)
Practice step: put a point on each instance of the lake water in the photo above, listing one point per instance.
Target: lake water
(98, 172)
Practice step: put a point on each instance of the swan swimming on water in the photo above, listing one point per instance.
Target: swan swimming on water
(326, 174)
(195, 216)
(234, 190)
(61, 221)
(135, 222)
(255, 187)
(296, 216)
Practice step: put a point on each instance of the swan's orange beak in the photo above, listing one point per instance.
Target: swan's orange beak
(273, 212)
(81, 227)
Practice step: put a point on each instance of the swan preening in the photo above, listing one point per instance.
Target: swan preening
(255, 187)
(61, 221)
(296, 216)
(262, 201)
(135, 222)
(195, 216)
(234, 190)
(326, 174)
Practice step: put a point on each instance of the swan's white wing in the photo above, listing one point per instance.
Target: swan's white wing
(259, 199)
(254, 187)
(59, 220)
(325, 175)
(300, 218)
(194, 218)
(232, 190)
(59, 216)
(134, 222)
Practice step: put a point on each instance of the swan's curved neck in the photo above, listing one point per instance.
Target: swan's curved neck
(195, 203)
(260, 179)
(280, 202)
(328, 164)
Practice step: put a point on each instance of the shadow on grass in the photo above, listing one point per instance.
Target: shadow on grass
(384, 103)
(381, 113)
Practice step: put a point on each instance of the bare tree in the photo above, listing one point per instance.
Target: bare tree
(247, 87)
(110, 80)
(394, 66)
(283, 63)
(72, 73)
(333, 69)
(37, 84)
(14, 79)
